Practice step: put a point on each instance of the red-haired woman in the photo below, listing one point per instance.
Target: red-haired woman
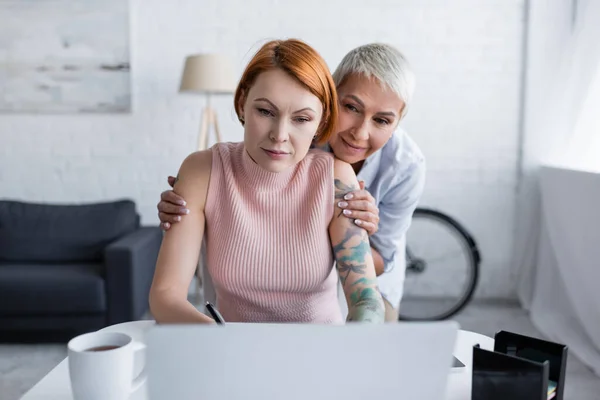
(268, 208)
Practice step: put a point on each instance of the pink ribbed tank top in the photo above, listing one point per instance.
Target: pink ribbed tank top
(267, 242)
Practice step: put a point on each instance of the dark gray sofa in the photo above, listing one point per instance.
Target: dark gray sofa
(73, 268)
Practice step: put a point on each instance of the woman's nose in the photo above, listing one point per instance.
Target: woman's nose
(280, 133)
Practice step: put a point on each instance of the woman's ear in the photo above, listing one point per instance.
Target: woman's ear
(322, 125)
(240, 107)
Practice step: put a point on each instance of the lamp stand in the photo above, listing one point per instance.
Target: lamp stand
(209, 120)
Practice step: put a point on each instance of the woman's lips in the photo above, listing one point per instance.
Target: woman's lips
(352, 148)
(275, 154)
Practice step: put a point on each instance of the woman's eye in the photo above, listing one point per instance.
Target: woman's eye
(265, 112)
(351, 107)
(382, 121)
(302, 120)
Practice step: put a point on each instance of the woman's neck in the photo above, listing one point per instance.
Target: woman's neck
(357, 166)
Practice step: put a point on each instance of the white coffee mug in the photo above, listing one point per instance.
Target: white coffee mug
(101, 366)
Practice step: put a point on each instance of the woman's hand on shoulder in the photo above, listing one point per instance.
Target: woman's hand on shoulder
(361, 208)
(192, 180)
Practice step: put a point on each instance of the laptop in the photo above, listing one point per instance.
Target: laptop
(300, 361)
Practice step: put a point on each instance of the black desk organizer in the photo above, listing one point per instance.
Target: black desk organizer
(519, 368)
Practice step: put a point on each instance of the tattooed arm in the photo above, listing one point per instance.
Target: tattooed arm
(352, 253)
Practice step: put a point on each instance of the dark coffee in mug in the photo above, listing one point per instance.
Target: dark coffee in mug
(103, 348)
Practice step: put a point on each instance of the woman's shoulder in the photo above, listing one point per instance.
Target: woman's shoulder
(343, 171)
(201, 160)
(227, 147)
(401, 151)
(318, 164)
(319, 156)
(196, 163)
(327, 165)
(193, 177)
(228, 151)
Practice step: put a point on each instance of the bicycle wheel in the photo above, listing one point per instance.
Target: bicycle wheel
(442, 267)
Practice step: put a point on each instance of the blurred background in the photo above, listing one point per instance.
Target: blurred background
(505, 112)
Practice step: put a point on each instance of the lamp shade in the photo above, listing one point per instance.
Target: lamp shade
(208, 73)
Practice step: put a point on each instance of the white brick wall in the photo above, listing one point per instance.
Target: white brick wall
(466, 54)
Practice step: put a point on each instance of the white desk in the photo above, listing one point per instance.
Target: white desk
(56, 385)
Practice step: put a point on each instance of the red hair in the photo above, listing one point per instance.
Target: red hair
(303, 63)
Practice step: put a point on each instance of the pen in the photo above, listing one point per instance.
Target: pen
(214, 313)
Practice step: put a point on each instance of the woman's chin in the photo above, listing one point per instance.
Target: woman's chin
(344, 153)
(275, 166)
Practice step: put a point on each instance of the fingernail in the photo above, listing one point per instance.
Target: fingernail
(178, 218)
(186, 211)
(182, 202)
(347, 212)
(348, 196)
(342, 204)
(357, 221)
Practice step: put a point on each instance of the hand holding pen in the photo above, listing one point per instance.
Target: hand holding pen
(215, 314)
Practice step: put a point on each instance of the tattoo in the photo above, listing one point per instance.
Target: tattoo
(351, 255)
(342, 189)
(351, 252)
(368, 296)
(365, 281)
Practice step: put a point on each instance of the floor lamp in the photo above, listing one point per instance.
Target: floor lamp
(207, 75)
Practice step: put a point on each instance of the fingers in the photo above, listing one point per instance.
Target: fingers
(364, 214)
(359, 205)
(360, 195)
(169, 218)
(169, 208)
(364, 219)
(171, 181)
(170, 196)
(367, 226)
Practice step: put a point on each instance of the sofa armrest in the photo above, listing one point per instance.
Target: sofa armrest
(130, 262)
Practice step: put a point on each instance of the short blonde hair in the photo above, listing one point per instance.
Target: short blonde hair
(383, 62)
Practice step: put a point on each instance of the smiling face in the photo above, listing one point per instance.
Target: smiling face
(369, 114)
(281, 118)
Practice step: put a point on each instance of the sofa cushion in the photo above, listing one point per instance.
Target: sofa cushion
(62, 233)
(41, 289)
